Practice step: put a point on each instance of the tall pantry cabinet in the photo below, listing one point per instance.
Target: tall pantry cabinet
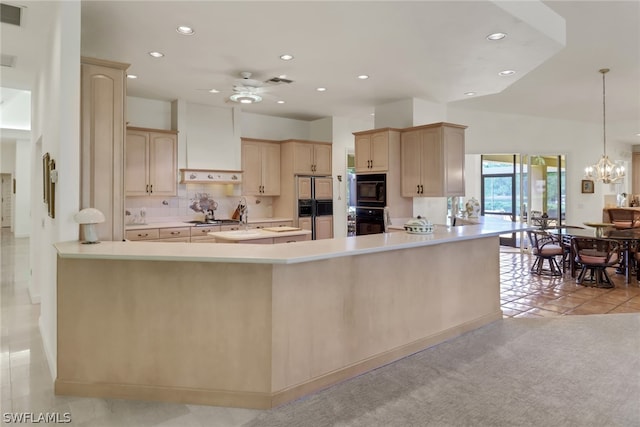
(102, 122)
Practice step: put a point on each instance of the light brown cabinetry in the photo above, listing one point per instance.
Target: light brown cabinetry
(311, 158)
(432, 160)
(150, 162)
(172, 234)
(201, 234)
(372, 150)
(261, 168)
(324, 227)
(102, 123)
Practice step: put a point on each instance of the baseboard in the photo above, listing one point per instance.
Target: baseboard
(265, 400)
(164, 394)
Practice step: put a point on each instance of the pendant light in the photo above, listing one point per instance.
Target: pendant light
(605, 170)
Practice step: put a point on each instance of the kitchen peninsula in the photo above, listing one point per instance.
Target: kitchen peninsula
(259, 325)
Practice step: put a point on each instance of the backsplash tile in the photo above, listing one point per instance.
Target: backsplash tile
(160, 209)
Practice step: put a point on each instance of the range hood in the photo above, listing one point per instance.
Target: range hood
(203, 176)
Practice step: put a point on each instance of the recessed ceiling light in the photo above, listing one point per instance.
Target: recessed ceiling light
(185, 31)
(132, 76)
(214, 91)
(280, 102)
(469, 93)
(373, 114)
(496, 36)
(286, 57)
(363, 77)
(282, 76)
(506, 73)
(321, 89)
(156, 54)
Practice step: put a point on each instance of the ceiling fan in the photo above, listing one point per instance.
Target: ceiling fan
(249, 91)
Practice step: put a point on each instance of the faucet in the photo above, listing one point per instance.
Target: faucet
(244, 212)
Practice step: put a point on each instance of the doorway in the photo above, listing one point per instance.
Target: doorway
(523, 187)
(6, 199)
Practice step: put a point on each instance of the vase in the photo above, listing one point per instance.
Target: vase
(472, 207)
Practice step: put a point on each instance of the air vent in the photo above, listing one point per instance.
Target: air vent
(7, 60)
(10, 14)
(279, 80)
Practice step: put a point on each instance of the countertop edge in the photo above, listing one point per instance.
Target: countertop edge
(286, 253)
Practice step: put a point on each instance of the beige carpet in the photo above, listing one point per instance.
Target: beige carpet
(564, 371)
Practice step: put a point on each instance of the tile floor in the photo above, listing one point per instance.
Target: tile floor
(27, 385)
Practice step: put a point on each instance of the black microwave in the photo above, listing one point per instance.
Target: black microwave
(371, 190)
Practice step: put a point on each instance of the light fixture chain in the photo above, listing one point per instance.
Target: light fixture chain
(604, 111)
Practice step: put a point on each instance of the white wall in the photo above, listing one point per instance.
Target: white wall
(148, 113)
(22, 197)
(492, 133)
(343, 142)
(7, 157)
(56, 130)
(276, 128)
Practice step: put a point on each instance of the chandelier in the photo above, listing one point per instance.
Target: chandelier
(605, 170)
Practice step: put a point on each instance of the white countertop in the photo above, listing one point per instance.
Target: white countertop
(254, 233)
(289, 253)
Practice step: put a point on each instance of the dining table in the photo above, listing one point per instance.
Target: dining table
(628, 238)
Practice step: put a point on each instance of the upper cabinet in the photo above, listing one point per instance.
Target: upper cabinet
(261, 168)
(432, 160)
(150, 162)
(372, 150)
(311, 158)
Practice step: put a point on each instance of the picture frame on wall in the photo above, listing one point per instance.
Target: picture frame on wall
(587, 186)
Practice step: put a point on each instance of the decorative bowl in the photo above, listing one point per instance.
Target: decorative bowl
(418, 225)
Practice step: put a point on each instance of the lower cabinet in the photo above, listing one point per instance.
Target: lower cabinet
(324, 227)
(201, 234)
(175, 234)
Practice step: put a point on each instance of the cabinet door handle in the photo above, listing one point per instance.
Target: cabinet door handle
(151, 189)
(418, 188)
(175, 232)
(147, 189)
(421, 189)
(143, 235)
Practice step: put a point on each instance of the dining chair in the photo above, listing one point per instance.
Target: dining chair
(594, 256)
(624, 218)
(547, 247)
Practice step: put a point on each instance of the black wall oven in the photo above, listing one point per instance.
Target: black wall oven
(371, 198)
(371, 190)
(369, 221)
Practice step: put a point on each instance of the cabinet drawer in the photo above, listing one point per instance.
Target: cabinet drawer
(290, 239)
(282, 224)
(230, 227)
(260, 225)
(202, 233)
(166, 233)
(148, 234)
(176, 239)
